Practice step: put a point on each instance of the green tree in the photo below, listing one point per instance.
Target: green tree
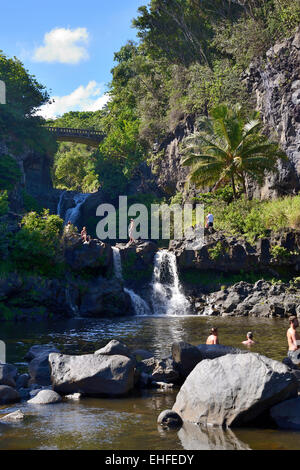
(227, 148)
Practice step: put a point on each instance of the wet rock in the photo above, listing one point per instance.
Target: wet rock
(45, 397)
(39, 369)
(92, 374)
(186, 357)
(8, 395)
(13, 417)
(8, 374)
(234, 390)
(170, 419)
(287, 414)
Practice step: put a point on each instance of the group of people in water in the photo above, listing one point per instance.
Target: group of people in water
(213, 338)
(293, 337)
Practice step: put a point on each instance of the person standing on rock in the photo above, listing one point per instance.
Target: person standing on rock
(84, 235)
(209, 220)
(130, 230)
(213, 337)
(249, 340)
(292, 335)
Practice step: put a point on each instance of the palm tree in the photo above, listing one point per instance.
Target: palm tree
(228, 148)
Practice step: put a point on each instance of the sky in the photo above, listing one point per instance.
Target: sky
(68, 45)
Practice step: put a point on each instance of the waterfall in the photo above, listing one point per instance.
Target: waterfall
(139, 305)
(60, 203)
(167, 298)
(73, 213)
(117, 263)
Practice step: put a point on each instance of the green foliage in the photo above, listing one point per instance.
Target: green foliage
(74, 168)
(19, 126)
(279, 252)
(30, 203)
(227, 148)
(10, 172)
(217, 251)
(36, 247)
(3, 203)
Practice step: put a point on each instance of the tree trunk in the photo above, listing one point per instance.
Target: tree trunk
(233, 187)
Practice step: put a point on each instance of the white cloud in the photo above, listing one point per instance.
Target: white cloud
(89, 98)
(61, 45)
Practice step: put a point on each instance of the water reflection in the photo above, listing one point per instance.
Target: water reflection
(194, 437)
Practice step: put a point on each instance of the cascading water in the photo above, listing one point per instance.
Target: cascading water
(59, 212)
(139, 305)
(73, 213)
(167, 297)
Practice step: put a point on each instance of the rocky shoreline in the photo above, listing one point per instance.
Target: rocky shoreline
(217, 385)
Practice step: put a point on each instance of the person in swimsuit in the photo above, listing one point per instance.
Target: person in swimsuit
(131, 227)
(213, 338)
(292, 336)
(84, 235)
(249, 340)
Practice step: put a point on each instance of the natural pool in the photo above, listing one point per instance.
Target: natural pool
(130, 423)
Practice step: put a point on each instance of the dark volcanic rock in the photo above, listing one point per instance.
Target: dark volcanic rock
(170, 419)
(186, 357)
(8, 374)
(234, 390)
(287, 414)
(8, 395)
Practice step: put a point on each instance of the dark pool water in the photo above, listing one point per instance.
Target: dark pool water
(130, 423)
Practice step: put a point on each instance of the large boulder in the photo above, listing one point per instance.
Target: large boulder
(186, 357)
(8, 374)
(8, 395)
(287, 414)
(92, 374)
(113, 348)
(234, 390)
(39, 369)
(45, 397)
(212, 351)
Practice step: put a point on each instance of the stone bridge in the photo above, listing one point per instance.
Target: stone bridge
(80, 136)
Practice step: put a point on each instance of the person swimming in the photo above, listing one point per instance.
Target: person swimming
(213, 337)
(292, 335)
(249, 340)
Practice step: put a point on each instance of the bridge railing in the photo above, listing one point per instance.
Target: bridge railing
(62, 131)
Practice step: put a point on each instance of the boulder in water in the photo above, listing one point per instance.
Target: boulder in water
(45, 397)
(212, 351)
(287, 414)
(114, 347)
(186, 357)
(234, 390)
(92, 374)
(160, 370)
(39, 349)
(8, 374)
(8, 395)
(170, 419)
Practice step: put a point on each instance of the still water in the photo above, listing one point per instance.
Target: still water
(130, 423)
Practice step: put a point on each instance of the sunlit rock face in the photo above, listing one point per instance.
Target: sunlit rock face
(274, 81)
(234, 390)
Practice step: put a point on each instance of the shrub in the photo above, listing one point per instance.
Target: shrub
(3, 203)
(10, 172)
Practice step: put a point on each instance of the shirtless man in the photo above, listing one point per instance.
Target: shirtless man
(249, 340)
(213, 338)
(292, 335)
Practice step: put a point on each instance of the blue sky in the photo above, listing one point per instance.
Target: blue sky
(68, 45)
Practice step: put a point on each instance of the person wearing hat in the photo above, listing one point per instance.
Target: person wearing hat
(249, 341)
